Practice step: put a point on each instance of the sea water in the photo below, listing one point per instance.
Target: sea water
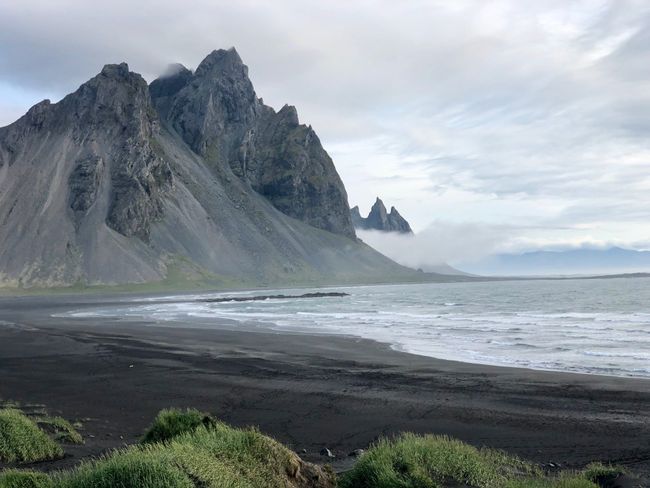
(597, 326)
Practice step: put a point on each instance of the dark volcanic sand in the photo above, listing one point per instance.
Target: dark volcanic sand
(307, 391)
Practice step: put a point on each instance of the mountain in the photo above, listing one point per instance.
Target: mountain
(380, 219)
(557, 263)
(192, 176)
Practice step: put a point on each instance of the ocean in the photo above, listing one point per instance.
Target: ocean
(598, 326)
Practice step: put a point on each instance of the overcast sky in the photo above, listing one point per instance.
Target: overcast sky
(524, 121)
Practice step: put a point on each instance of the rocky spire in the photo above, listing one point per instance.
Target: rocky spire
(357, 220)
(222, 61)
(380, 219)
(378, 216)
(398, 222)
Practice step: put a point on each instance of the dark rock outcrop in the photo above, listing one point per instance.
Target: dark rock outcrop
(83, 183)
(380, 219)
(121, 182)
(273, 297)
(357, 220)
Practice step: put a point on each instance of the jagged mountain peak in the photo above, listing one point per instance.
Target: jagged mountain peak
(289, 114)
(222, 61)
(378, 207)
(120, 70)
(219, 116)
(111, 86)
(380, 219)
(43, 104)
(37, 113)
(174, 69)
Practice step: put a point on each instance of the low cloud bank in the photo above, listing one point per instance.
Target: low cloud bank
(441, 242)
(504, 250)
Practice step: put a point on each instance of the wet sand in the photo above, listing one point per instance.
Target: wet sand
(307, 391)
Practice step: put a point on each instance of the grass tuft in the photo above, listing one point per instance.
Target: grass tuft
(13, 478)
(207, 456)
(602, 473)
(60, 429)
(21, 440)
(172, 422)
(242, 458)
(412, 461)
(130, 468)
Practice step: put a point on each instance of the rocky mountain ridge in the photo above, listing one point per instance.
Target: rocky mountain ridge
(216, 112)
(121, 182)
(380, 219)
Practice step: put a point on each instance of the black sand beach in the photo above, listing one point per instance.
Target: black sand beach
(307, 391)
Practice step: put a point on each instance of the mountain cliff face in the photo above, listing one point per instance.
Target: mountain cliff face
(120, 181)
(217, 113)
(380, 219)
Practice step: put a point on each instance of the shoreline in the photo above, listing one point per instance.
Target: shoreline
(205, 323)
(309, 391)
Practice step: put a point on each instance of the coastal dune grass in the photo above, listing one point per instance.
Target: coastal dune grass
(207, 455)
(413, 461)
(13, 478)
(191, 449)
(60, 429)
(21, 440)
(172, 422)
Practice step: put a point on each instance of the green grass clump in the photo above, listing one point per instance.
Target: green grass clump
(172, 422)
(61, 429)
(130, 468)
(21, 440)
(599, 472)
(209, 456)
(189, 449)
(412, 461)
(13, 478)
(242, 458)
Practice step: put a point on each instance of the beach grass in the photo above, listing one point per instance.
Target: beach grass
(190, 449)
(414, 461)
(21, 440)
(60, 429)
(172, 422)
(212, 456)
(602, 473)
(13, 478)
(129, 468)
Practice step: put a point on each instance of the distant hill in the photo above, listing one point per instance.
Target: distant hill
(560, 263)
